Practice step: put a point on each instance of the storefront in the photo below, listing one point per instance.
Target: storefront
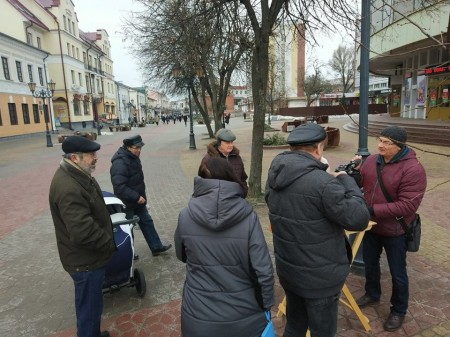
(437, 104)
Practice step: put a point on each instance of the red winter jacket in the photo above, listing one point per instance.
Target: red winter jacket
(405, 181)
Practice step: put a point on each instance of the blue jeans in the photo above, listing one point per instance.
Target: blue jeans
(395, 248)
(146, 225)
(319, 315)
(88, 301)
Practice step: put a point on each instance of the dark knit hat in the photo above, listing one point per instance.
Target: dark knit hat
(81, 144)
(133, 141)
(396, 134)
(306, 134)
(226, 135)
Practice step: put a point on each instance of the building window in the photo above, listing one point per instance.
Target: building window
(37, 120)
(78, 54)
(68, 49)
(84, 58)
(12, 113)
(73, 51)
(73, 27)
(26, 114)
(70, 26)
(72, 73)
(19, 71)
(41, 76)
(1, 121)
(76, 107)
(65, 22)
(30, 38)
(30, 72)
(80, 79)
(86, 108)
(5, 68)
(39, 45)
(88, 87)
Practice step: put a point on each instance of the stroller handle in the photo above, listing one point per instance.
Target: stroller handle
(133, 221)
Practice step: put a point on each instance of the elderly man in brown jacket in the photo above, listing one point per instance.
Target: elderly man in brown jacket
(83, 229)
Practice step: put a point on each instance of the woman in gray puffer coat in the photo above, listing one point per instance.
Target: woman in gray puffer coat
(229, 274)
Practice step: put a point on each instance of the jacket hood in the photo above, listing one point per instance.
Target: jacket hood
(218, 204)
(289, 166)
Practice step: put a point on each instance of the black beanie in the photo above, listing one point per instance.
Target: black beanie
(396, 134)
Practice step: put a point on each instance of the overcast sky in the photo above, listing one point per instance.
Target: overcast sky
(107, 14)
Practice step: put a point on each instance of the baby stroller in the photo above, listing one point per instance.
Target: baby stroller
(120, 271)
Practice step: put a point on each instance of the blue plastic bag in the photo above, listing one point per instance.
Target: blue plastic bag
(269, 330)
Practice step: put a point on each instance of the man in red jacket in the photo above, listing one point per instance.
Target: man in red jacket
(405, 181)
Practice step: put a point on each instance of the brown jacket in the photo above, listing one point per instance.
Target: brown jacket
(233, 158)
(82, 222)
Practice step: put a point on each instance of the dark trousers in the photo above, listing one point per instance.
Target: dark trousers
(88, 301)
(319, 315)
(147, 226)
(395, 248)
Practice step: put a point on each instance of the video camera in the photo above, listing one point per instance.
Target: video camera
(349, 168)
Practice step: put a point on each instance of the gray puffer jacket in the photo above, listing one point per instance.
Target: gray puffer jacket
(309, 210)
(229, 274)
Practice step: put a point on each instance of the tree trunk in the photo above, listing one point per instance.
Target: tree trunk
(259, 85)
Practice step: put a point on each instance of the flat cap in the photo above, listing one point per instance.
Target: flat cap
(75, 144)
(226, 135)
(134, 141)
(306, 134)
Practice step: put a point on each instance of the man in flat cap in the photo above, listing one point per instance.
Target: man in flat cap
(309, 209)
(83, 228)
(404, 181)
(127, 179)
(223, 147)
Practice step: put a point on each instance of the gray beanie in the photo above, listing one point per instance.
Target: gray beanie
(396, 134)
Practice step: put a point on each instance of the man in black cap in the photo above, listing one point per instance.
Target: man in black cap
(83, 228)
(223, 147)
(127, 179)
(404, 180)
(309, 209)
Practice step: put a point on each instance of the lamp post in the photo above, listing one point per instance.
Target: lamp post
(176, 72)
(44, 93)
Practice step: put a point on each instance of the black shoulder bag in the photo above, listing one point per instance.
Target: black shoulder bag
(413, 231)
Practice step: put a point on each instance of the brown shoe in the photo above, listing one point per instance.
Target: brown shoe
(366, 300)
(393, 322)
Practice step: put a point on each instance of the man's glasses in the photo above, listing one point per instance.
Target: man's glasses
(385, 142)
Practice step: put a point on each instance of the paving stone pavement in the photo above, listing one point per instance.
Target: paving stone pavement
(36, 294)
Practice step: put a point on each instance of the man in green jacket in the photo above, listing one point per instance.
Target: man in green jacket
(83, 229)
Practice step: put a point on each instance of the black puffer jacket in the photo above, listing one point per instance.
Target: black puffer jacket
(309, 210)
(127, 177)
(229, 275)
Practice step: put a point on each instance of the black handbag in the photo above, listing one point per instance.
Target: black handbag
(414, 230)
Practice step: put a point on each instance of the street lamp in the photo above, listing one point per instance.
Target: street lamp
(189, 81)
(44, 93)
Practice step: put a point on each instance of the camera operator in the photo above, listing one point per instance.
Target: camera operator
(309, 209)
(405, 181)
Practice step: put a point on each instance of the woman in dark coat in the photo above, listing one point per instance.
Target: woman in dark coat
(229, 274)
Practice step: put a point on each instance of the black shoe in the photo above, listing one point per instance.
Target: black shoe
(393, 322)
(366, 300)
(135, 257)
(104, 334)
(158, 251)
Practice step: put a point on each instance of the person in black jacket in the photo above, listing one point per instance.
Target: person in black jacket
(127, 179)
(309, 209)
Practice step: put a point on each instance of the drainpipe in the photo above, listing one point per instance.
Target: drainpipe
(64, 74)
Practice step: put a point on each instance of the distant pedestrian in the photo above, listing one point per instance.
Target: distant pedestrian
(84, 232)
(245, 116)
(229, 276)
(227, 118)
(157, 120)
(224, 147)
(127, 178)
(185, 118)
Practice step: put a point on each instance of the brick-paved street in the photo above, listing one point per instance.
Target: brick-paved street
(36, 294)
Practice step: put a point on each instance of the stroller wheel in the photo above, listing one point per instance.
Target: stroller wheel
(139, 280)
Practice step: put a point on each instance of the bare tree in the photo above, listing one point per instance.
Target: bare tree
(342, 63)
(200, 40)
(314, 83)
